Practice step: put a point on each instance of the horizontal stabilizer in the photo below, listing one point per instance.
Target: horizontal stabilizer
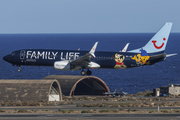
(169, 55)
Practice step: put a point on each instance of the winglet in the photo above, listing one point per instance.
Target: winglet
(93, 49)
(125, 48)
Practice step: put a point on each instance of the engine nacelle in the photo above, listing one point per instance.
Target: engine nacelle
(62, 65)
(93, 65)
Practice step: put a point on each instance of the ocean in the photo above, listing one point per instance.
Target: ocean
(129, 80)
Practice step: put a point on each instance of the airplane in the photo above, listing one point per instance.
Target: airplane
(150, 54)
(116, 93)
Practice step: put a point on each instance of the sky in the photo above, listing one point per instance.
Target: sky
(87, 16)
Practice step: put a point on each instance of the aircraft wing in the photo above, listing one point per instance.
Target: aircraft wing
(85, 61)
(82, 59)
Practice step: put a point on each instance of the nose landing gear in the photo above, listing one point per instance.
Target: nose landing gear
(83, 72)
(19, 70)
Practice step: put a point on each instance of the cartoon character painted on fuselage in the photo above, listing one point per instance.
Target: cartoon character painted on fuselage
(119, 61)
(142, 58)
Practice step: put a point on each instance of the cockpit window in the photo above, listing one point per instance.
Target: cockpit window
(13, 53)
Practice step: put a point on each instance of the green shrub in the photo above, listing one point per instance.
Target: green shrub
(34, 111)
(71, 111)
(121, 109)
(151, 111)
(105, 110)
(22, 111)
(177, 111)
(164, 111)
(146, 93)
(79, 105)
(115, 111)
(85, 111)
(134, 110)
(2, 110)
(63, 111)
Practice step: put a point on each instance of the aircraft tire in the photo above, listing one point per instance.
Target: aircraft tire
(19, 70)
(83, 72)
(89, 72)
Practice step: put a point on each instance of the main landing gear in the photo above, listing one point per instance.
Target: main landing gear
(83, 72)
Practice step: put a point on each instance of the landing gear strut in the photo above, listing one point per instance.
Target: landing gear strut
(83, 72)
(19, 70)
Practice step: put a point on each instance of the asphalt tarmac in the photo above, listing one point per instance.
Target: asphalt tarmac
(90, 116)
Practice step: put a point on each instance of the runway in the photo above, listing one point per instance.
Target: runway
(55, 112)
(68, 107)
(90, 116)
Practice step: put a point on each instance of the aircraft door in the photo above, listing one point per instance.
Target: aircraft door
(22, 54)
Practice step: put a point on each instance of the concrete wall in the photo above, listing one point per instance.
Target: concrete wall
(80, 85)
(27, 90)
(36, 90)
(174, 90)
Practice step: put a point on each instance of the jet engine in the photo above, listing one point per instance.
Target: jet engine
(93, 65)
(62, 65)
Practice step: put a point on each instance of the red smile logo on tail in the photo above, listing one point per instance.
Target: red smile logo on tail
(158, 47)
